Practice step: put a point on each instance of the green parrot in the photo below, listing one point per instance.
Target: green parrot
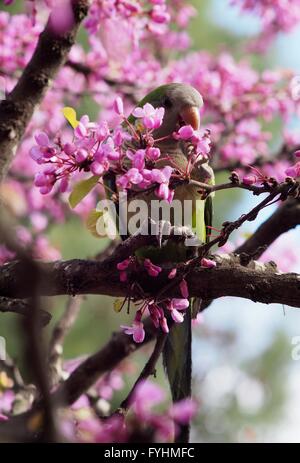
(182, 104)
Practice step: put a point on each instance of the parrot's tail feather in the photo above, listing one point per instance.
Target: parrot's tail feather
(177, 360)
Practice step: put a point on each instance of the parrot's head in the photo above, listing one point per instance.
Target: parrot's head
(182, 104)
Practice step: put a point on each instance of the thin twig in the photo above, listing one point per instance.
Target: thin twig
(34, 347)
(22, 307)
(59, 333)
(149, 369)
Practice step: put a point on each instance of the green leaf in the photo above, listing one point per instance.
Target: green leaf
(81, 189)
(91, 222)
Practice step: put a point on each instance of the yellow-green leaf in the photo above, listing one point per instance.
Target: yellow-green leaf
(70, 115)
(81, 189)
(118, 304)
(91, 222)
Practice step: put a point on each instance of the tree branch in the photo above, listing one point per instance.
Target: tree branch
(106, 359)
(256, 282)
(81, 379)
(59, 333)
(149, 369)
(286, 217)
(16, 111)
(21, 307)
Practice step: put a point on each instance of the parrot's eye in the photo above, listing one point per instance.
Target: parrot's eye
(167, 102)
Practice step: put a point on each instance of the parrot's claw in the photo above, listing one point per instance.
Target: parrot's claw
(181, 233)
(163, 230)
(184, 234)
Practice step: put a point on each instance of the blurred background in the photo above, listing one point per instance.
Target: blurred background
(244, 375)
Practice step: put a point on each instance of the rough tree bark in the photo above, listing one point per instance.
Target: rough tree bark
(257, 282)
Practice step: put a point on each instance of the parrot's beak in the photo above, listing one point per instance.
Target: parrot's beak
(190, 116)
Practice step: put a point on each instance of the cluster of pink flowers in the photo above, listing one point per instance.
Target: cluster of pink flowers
(237, 98)
(80, 424)
(95, 148)
(294, 171)
(85, 152)
(277, 16)
(163, 425)
(150, 14)
(17, 34)
(148, 395)
(158, 311)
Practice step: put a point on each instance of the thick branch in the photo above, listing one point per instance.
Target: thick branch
(256, 282)
(16, 111)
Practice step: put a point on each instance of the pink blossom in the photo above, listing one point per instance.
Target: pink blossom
(45, 182)
(124, 264)
(164, 325)
(136, 331)
(152, 270)
(249, 179)
(153, 153)
(184, 289)
(172, 273)
(159, 14)
(293, 171)
(102, 131)
(43, 150)
(81, 155)
(6, 401)
(137, 158)
(97, 168)
(151, 117)
(62, 17)
(82, 402)
(184, 133)
(107, 151)
(118, 106)
(176, 306)
(184, 411)
(134, 176)
(162, 176)
(146, 396)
